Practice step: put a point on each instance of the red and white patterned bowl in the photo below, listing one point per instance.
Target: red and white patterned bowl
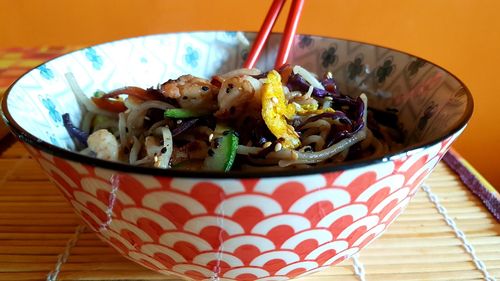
(241, 225)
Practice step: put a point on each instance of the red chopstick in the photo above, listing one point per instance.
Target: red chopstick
(290, 29)
(265, 29)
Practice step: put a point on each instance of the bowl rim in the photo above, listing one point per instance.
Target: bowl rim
(28, 138)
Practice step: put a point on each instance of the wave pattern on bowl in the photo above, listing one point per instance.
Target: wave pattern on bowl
(244, 229)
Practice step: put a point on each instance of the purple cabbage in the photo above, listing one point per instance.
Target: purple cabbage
(335, 135)
(337, 115)
(338, 133)
(330, 85)
(348, 127)
(260, 76)
(260, 133)
(184, 126)
(74, 131)
(298, 83)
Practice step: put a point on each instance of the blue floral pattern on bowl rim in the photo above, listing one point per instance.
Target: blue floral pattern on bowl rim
(392, 80)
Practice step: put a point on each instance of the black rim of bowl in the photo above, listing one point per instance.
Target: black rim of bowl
(32, 140)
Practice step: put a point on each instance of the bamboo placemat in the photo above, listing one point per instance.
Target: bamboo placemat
(36, 226)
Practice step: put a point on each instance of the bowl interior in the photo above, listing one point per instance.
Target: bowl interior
(426, 102)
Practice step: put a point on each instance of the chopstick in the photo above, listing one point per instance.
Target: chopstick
(290, 29)
(264, 31)
(268, 24)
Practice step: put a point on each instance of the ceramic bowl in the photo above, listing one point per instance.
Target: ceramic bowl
(240, 225)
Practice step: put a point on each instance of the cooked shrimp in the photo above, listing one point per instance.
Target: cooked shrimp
(192, 93)
(238, 97)
(104, 144)
(241, 72)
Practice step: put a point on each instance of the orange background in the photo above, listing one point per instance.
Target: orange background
(463, 36)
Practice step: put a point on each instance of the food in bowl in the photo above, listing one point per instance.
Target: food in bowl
(195, 123)
(240, 225)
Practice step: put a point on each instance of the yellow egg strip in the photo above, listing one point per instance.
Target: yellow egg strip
(276, 111)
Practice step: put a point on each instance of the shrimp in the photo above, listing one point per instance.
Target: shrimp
(104, 144)
(192, 93)
(238, 96)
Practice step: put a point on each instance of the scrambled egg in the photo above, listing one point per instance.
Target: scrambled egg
(305, 109)
(276, 111)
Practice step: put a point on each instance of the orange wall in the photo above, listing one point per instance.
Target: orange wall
(461, 35)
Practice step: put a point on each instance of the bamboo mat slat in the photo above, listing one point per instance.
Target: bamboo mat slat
(36, 223)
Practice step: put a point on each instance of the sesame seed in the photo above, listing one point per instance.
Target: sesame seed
(328, 98)
(217, 142)
(163, 150)
(329, 75)
(267, 144)
(274, 100)
(278, 147)
(229, 88)
(205, 88)
(210, 137)
(178, 121)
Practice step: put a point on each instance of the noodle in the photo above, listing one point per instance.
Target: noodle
(308, 77)
(134, 151)
(243, 119)
(83, 99)
(163, 159)
(315, 157)
(122, 129)
(245, 150)
(87, 121)
(135, 118)
(155, 126)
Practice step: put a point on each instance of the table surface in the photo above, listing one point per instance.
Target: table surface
(37, 225)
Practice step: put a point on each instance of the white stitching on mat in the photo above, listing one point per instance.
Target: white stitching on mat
(459, 233)
(11, 171)
(62, 258)
(359, 269)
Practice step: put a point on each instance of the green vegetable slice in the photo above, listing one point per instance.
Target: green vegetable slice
(181, 113)
(223, 152)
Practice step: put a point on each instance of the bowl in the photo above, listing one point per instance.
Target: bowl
(240, 225)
